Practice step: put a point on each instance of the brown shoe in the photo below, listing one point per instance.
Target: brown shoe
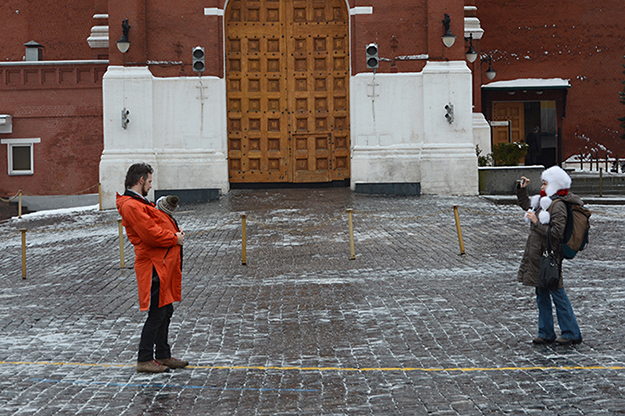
(541, 341)
(172, 362)
(151, 367)
(566, 341)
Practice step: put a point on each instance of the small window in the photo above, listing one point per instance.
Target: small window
(22, 158)
(20, 153)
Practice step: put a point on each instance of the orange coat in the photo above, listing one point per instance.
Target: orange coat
(153, 235)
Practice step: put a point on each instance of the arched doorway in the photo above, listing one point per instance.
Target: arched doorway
(287, 77)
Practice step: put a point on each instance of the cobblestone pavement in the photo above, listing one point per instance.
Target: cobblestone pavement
(409, 327)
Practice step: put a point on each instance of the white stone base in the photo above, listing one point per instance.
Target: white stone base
(177, 125)
(400, 132)
(172, 170)
(449, 170)
(383, 165)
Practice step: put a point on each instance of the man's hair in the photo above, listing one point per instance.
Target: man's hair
(136, 172)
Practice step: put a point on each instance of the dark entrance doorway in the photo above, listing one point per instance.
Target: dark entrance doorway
(542, 114)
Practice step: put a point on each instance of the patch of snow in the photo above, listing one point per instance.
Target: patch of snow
(60, 211)
(531, 83)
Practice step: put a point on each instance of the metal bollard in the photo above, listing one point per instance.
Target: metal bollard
(122, 261)
(351, 234)
(19, 205)
(23, 230)
(459, 230)
(243, 240)
(600, 181)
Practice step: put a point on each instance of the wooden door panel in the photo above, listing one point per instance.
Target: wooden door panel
(500, 135)
(513, 112)
(318, 69)
(287, 78)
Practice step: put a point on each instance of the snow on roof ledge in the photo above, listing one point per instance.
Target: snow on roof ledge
(529, 83)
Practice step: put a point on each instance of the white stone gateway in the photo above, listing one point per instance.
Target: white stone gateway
(401, 130)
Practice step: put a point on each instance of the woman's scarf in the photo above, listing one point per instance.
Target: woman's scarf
(544, 202)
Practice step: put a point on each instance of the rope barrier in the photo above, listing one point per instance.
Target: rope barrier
(20, 194)
(74, 194)
(12, 198)
(78, 227)
(86, 189)
(9, 235)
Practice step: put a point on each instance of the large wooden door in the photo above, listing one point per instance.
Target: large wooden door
(287, 72)
(513, 112)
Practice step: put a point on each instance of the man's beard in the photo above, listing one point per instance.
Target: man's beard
(144, 191)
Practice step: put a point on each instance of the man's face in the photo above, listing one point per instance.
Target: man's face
(146, 185)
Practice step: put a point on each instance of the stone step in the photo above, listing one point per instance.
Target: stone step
(592, 184)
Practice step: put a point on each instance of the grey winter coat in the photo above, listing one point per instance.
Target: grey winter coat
(537, 240)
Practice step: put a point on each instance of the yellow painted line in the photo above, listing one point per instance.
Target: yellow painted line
(341, 369)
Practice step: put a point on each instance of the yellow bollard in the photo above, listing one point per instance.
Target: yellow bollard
(243, 240)
(122, 261)
(459, 230)
(19, 205)
(100, 196)
(351, 234)
(23, 230)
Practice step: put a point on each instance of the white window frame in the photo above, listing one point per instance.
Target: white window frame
(20, 142)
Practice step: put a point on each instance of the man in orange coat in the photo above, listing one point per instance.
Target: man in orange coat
(157, 241)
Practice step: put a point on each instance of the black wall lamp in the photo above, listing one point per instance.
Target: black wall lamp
(123, 44)
(471, 54)
(448, 38)
(490, 72)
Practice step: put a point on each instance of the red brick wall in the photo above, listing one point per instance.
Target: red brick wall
(167, 31)
(61, 105)
(62, 27)
(577, 40)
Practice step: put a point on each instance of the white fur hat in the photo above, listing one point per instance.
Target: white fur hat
(556, 179)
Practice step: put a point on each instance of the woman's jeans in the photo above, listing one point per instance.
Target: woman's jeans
(564, 312)
(156, 328)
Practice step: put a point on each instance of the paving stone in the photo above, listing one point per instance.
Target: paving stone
(408, 327)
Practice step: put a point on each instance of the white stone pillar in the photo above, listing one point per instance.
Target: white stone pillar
(448, 161)
(177, 125)
(127, 88)
(386, 128)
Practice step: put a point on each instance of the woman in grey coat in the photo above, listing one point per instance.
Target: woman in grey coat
(542, 211)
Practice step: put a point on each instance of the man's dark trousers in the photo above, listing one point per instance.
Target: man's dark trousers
(156, 327)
